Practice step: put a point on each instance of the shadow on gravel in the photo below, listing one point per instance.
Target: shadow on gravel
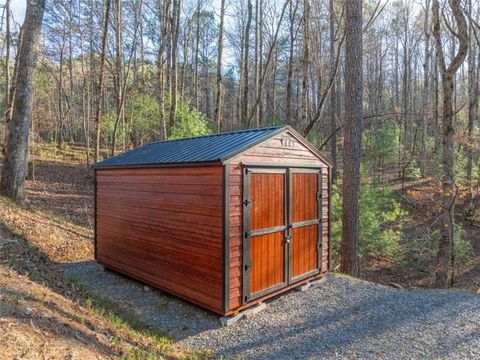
(320, 326)
(376, 320)
(178, 318)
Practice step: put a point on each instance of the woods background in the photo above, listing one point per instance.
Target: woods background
(112, 75)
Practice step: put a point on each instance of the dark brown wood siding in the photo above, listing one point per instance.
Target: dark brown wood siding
(267, 211)
(281, 150)
(163, 226)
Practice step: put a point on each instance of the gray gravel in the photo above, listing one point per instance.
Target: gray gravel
(343, 318)
(176, 317)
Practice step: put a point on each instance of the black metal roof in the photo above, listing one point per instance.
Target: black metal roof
(209, 148)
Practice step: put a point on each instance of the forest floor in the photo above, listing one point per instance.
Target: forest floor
(44, 312)
(421, 199)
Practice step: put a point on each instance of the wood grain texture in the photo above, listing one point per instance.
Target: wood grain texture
(267, 196)
(163, 226)
(304, 250)
(304, 253)
(267, 210)
(269, 152)
(304, 197)
(267, 255)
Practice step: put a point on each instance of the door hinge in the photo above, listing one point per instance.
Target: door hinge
(319, 195)
(247, 267)
(246, 202)
(246, 234)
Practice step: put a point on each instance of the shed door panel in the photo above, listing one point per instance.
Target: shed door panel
(305, 223)
(304, 250)
(267, 230)
(267, 253)
(268, 200)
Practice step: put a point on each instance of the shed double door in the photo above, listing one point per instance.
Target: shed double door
(282, 228)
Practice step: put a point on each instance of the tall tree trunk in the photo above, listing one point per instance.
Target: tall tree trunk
(197, 40)
(260, 70)
(425, 91)
(85, 103)
(448, 187)
(101, 76)
(292, 15)
(61, 111)
(333, 95)
(246, 40)
(185, 64)
(353, 136)
(8, 40)
(163, 10)
(306, 61)
(118, 72)
(15, 164)
(218, 98)
(238, 100)
(173, 84)
(472, 110)
(436, 115)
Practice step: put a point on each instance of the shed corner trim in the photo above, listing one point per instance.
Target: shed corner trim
(226, 237)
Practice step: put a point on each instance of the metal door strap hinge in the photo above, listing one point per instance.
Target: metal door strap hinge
(246, 202)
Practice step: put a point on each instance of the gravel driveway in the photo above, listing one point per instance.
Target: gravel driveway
(343, 318)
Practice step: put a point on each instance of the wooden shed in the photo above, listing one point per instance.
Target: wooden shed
(224, 221)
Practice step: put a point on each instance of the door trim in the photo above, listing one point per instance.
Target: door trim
(248, 234)
(248, 169)
(299, 224)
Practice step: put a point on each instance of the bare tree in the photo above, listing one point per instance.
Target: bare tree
(101, 77)
(163, 10)
(306, 61)
(8, 40)
(218, 99)
(246, 41)
(173, 84)
(445, 250)
(472, 108)
(15, 164)
(333, 95)
(425, 92)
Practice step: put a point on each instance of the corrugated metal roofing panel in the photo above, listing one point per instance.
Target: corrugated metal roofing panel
(208, 148)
